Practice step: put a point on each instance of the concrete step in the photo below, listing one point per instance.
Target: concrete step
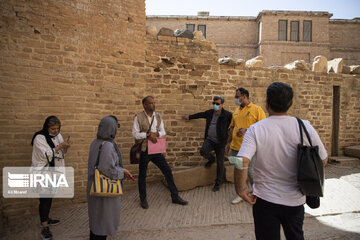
(344, 160)
(352, 151)
(187, 178)
(194, 177)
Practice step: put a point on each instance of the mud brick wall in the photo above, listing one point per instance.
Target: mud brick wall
(73, 59)
(188, 76)
(241, 43)
(184, 77)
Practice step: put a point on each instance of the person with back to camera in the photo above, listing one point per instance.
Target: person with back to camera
(49, 149)
(104, 212)
(276, 197)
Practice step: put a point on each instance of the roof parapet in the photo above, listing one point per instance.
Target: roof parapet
(292, 13)
(227, 18)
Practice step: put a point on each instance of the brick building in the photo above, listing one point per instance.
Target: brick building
(280, 36)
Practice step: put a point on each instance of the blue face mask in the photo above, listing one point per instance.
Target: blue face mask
(216, 107)
(237, 102)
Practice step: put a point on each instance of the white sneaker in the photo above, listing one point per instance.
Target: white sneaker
(237, 200)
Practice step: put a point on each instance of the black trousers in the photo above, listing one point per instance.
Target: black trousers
(96, 237)
(44, 208)
(205, 150)
(160, 161)
(269, 216)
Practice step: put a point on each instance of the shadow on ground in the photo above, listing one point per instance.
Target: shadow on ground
(209, 215)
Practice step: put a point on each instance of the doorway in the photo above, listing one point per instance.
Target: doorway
(336, 121)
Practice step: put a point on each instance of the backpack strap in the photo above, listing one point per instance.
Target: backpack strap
(302, 127)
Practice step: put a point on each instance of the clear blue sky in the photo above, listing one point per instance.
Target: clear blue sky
(341, 9)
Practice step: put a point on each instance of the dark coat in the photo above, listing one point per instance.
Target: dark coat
(222, 124)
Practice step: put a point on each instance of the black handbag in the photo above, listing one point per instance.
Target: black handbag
(310, 175)
(313, 202)
(135, 150)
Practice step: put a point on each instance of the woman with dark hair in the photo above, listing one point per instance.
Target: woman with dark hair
(104, 212)
(49, 149)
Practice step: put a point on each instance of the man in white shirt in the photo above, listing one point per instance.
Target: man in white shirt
(148, 125)
(276, 196)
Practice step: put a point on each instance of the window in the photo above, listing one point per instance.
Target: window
(259, 32)
(282, 29)
(307, 31)
(190, 27)
(294, 31)
(202, 28)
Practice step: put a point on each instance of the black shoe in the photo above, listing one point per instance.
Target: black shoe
(144, 204)
(46, 234)
(216, 187)
(179, 200)
(208, 164)
(53, 222)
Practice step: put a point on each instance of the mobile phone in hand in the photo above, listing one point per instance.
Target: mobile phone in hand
(68, 139)
(132, 178)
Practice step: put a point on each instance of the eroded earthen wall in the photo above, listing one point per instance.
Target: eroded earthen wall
(234, 37)
(184, 77)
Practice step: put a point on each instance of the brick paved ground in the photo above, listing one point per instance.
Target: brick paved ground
(209, 215)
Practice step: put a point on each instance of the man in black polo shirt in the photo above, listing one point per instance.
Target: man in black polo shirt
(216, 134)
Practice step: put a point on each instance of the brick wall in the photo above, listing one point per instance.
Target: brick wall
(86, 63)
(281, 53)
(73, 59)
(320, 29)
(234, 36)
(193, 77)
(349, 108)
(237, 36)
(344, 40)
(183, 85)
(278, 52)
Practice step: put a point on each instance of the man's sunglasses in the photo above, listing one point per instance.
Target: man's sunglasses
(215, 103)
